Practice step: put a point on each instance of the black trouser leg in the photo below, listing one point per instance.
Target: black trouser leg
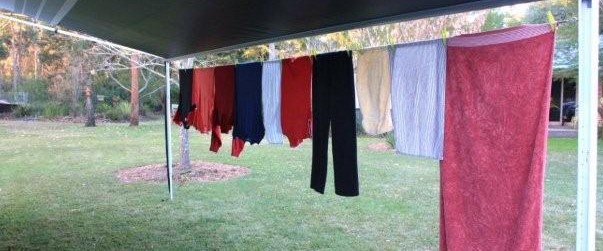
(343, 126)
(320, 125)
(334, 106)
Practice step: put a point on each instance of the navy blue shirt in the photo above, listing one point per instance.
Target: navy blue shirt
(248, 124)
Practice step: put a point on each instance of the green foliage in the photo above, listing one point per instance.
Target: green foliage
(494, 20)
(37, 90)
(103, 108)
(389, 137)
(566, 46)
(103, 85)
(119, 112)
(22, 111)
(3, 51)
(40, 101)
(54, 109)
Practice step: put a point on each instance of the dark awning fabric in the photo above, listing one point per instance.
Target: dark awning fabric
(176, 28)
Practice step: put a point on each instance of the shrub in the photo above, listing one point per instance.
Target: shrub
(54, 109)
(103, 108)
(389, 137)
(119, 112)
(36, 89)
(22, 111)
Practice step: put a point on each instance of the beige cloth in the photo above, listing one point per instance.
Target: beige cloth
(373, 87)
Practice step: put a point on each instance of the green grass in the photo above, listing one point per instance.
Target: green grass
(58, 190)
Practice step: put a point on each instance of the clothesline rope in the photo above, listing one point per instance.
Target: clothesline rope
(557, 23)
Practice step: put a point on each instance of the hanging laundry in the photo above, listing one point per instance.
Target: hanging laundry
(185, 104)
(195, 90)
(271, 101)
(203, 97)
(223, 115)
(497, 103)
(373, 86)
(296, 110)
(334, 111)
(248, 124)
(418, 98)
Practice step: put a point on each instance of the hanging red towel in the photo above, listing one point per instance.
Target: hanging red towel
(296, 99)
(203, 98)
(195, 89)
(223, 115)
(497, 103)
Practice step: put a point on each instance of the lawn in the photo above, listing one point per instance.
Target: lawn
(58, 190)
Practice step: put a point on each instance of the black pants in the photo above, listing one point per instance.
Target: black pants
(185, 103)
(333, 107)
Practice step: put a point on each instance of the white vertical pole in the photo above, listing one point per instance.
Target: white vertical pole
(588, 52)
(168, 130)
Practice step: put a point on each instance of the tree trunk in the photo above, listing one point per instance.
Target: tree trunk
(185, 159)
(36, 60)
(1, 78)
(134, 104)
(271, 52)
(76, 78)
(90, 118)
(37, 49)
(16, 56)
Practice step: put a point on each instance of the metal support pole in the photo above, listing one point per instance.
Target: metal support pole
(588, 52)
(561, 100)
(168, 130)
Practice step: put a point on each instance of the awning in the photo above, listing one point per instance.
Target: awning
(177, 28)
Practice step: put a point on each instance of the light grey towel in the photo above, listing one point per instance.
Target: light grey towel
(418, 78)
(271, 101)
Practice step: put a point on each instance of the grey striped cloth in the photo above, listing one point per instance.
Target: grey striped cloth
(271, 101)
(418, 77)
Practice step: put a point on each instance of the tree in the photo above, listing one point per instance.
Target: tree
(494, 20)
(566, 42)
(4, 53)
(16, 50)
(185, 159)
(90, 118)
(144, 78)
(134, 92)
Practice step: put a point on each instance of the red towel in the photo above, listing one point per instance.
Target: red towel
(497, 103)
(223, 115)
(296, 99)
(203, 98)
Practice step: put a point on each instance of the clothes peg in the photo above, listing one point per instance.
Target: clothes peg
(551, 19)
(444, 35)
(313, 53)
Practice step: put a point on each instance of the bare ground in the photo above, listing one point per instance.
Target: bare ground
(380, 147)
(200, 172)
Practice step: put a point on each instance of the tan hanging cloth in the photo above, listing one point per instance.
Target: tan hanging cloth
(373, 87)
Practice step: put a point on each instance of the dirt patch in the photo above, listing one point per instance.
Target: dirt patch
(200, 172)
(380, 147)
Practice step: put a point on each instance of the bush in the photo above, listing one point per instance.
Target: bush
(22, 111)
(54, 109)
(389, 137)
(103, 108)
(119, 112)
(36, 89)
